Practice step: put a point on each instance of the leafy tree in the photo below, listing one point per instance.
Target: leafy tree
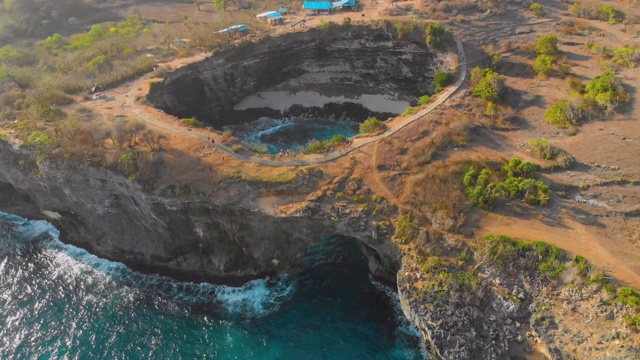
(547, 45)
(543, 65)
(437, 36)
(490, 86)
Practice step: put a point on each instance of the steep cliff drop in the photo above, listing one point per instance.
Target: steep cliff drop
(349, 71)
(194, 239)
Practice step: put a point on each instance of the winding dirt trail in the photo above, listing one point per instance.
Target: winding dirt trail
(356, 143)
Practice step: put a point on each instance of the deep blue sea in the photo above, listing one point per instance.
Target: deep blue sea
(58, 301)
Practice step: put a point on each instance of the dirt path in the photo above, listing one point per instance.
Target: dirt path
(356, 143)
(570, 236)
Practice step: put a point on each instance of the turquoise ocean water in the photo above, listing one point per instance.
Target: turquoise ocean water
(58, 301)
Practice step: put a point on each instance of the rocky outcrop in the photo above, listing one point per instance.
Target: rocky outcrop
(336, 61)
(190, 238)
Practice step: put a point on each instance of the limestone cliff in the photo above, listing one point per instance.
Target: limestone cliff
(346, 61)
(191, 238)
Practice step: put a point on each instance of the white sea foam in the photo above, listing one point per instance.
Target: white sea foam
(256, 298)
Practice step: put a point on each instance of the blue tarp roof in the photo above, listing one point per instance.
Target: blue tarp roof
(275, 15)
(317, 5)
(345, 3)
(267, 14)
(234, 28)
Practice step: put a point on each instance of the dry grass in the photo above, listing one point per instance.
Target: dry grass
(438, 193)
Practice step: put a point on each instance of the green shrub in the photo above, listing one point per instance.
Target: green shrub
(537, 9)
(442, 79)
(491, 110)
(543, 65)
(547, 45)
(605, 13)
(489, 86)
(41, 144)
(410, 110)
(626, 56)
(544, 149)
(546, 258)
(370, 125)
(127, 163)
(314, 147)
(605, 92)
(192, 122)
(424, 99)
(437, 37)
(629, 297)
(479, 188)
(406, 228)
(519, 183)
(564, 114)
(338, 139)
(575, 84)
(260, 149)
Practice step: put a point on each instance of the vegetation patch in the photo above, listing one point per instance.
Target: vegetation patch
(517, 181)
(441, 79)
(537, 9)
(406, 228)
(547, 45)
(604, 94)
(192, 122)
(533, 257)
(371, 125)
(544, 149)
(604, 13)
(543, 65)
(315, 147)
(437, 36)
(487, 84)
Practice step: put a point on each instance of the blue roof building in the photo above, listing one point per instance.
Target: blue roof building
(234, 29)
(317, 5)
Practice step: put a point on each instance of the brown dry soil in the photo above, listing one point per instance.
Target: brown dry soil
(604, 228)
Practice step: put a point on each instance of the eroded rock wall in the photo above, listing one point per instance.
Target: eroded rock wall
(338, 61)
(195, 238)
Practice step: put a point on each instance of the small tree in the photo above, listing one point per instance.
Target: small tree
(537, 9)
(543, 65)
(490, 87)
(547, 45)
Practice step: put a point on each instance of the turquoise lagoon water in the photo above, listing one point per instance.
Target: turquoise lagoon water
(58, 301)
(296, 135)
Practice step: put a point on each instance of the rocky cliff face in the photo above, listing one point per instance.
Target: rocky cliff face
(195, 238)
(344, 61)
